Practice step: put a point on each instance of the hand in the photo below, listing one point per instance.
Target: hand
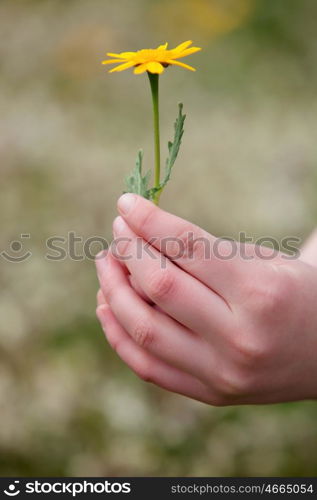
(218, 328)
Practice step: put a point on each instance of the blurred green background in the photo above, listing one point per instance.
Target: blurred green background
(69, 133)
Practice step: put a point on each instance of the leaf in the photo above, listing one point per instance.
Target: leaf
(173, 149)
(135, 182)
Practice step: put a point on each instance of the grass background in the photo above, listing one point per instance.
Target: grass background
(68, 134)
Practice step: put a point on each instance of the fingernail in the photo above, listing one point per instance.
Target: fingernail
(126, 202)
(119, 226)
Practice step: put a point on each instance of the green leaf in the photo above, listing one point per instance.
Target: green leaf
(136, 182)
(173, 149)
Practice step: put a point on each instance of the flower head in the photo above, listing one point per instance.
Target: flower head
(152, 60)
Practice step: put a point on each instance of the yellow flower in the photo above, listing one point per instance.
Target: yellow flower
(152, 60)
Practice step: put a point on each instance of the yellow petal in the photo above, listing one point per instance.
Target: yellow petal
(127, 54)
(182, 46)
(140, 69)
(122, 55)
(155, 67)
(162, 47)
(111, 61)
(178, 63)
(187, 52)
(122, 67)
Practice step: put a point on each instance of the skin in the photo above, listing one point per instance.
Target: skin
(234, 330)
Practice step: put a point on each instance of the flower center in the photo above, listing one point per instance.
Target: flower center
(148, 55)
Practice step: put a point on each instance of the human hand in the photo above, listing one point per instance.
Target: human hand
(221, 330)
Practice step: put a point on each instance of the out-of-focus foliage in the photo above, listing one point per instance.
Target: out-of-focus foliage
(68, 136)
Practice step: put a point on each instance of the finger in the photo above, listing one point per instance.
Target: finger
(149, 328)
(100, 298)
(180, 295)
(135, 285)
(146, 366)
(213, 261)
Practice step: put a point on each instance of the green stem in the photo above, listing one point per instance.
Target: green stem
(154, 83)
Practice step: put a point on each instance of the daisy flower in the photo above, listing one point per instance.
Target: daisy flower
(152, 60)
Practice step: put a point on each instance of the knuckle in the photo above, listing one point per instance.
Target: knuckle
(234, 384)
(161, 284)
(241, 375)
(191, 244)
(250, 350)
(143, 333)
(267, 298)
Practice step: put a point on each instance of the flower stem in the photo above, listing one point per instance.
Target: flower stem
(154, 83)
